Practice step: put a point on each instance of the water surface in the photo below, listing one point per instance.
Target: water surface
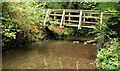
(51, 54)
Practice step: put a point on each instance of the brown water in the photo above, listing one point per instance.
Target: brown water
(51, 54)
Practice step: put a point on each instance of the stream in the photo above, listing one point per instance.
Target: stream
(52, 54)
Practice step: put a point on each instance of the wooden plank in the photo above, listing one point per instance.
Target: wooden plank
(72, 15)
(62, 19)
(54, 16)
(71, 21)
(69, 17)
(69, 25)
(84, 19)
(90, 17)
(101, 17)
(108, 13)
(90, 10)
(46, 17)
(73, 10)
(67, 10)
(80, 19)
(92, 27)
(96, 13)
(89, 22)
(65, 15)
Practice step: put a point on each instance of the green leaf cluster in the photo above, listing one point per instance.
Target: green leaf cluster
(107, 58)
(21, 21)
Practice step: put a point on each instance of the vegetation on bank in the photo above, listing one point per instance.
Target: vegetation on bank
(23, 22)
(108, 46)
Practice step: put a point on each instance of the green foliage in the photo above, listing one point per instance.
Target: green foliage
(24, 19)
(63, 33)
(55, 5)
(107, 6)
(79, 32)
(107, 58)
(103, 6)
(87, 5)
(54, 23)
(118, 6)
(71, 5)
(102, 33)
(21, 20)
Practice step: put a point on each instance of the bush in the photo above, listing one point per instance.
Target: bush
(107, 58)
(21, 22)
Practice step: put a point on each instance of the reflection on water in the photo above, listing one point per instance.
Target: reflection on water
(55, 54)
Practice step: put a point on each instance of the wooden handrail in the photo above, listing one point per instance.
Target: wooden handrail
(90, 22)
(75, 16)
(90, 17)
(71, 20)
(73, 10)
(68, 16)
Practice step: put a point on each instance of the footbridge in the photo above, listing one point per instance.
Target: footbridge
(76, 18)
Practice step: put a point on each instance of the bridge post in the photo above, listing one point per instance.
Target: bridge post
(84, 18)
(101, 15)
(46, 17)
(80, 20)
(54, 16)
(69, 17)
(62, 19)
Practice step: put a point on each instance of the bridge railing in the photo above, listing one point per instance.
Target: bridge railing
(76, 18)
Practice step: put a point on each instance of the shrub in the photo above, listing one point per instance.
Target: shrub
(107, 57)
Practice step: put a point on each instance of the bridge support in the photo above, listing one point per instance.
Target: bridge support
(46, 17)
(62, 19)
(101, 16)
(80, 20)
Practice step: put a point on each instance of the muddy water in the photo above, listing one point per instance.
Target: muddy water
(51, 54)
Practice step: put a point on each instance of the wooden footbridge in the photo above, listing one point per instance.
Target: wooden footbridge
(76, 18)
